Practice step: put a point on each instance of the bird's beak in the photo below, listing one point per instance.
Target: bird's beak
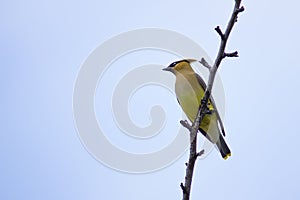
(168, 69)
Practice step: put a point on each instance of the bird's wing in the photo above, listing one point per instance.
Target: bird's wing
(203, 85)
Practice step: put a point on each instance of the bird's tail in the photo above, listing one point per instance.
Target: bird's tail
(223, 148)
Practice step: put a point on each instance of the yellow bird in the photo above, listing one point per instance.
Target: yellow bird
(189, 89)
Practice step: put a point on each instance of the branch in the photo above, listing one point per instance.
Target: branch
(232, 54)
(219, 31)
(186, 124)
(200, 153)
(205, 63)
(183, 188)
(186, 187)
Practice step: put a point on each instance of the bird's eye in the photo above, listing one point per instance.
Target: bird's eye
(173, 64)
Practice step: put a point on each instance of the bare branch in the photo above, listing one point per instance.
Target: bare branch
(200, 153)
(183, 188)
(205, 63)
(232, 54)
(241, 9)
(237, 9)
(186, 124)
(190, 165)
(186, 187)
(219, 31)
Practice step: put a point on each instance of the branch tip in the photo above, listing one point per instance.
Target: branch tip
(186, 124)
(241, 9)
(183, 188)
(219, 31)
(200, 153)
(232, 54)
(205, 63)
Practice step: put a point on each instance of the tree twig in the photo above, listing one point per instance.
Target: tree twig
(186, 124)
(232, 54)
(205, 63)
(186, 187)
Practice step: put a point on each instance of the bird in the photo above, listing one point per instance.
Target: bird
(189, 90)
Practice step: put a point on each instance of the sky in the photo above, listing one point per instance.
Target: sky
(45, 44)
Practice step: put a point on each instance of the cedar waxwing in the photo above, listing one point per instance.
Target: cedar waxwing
(190, 89)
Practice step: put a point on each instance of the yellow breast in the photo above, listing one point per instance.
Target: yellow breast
(189, 94)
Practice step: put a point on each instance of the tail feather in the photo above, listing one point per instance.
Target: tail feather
(223, 148)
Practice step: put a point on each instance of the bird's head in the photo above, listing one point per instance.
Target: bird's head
(181, 66)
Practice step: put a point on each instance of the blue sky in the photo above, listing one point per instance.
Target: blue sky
(43, 45)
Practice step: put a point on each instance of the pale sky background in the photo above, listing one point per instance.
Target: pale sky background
(44, 43)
